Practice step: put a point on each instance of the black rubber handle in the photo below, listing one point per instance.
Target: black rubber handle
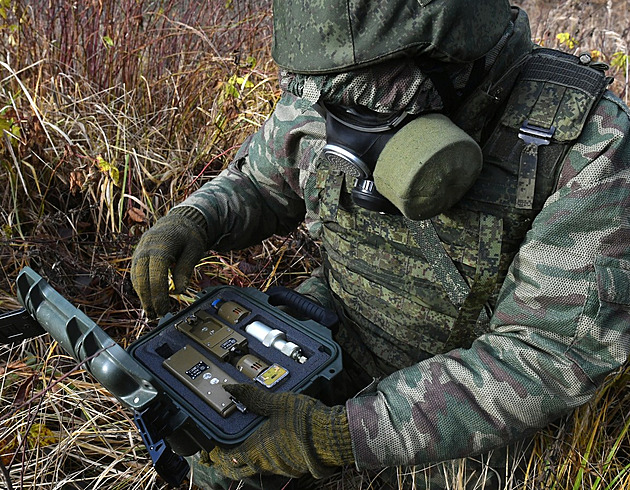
(281, 296)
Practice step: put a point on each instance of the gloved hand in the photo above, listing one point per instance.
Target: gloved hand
(177, 241)
(302, 435)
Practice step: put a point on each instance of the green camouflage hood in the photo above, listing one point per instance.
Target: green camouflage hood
(323, 36)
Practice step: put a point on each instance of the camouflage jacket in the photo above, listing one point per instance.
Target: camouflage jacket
(560, 322)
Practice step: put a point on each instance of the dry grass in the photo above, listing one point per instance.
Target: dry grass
(112, 112)
(599, 27)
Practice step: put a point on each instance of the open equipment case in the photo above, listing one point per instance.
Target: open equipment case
(172, 377)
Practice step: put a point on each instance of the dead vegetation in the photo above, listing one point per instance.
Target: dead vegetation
(111, 113)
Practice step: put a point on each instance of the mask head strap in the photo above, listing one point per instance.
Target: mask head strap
(444, 85)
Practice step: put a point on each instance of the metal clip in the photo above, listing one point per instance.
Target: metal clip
(533, 137)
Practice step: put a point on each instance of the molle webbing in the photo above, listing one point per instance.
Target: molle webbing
(545, 114)
(484, 283)
(443, 267)
(389, 283)
(548, 107)
(563, 70)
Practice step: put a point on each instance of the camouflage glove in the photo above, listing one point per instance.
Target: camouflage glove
(177, 241)
(302, 435)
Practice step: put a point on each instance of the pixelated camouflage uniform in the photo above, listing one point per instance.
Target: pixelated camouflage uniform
(556, 279)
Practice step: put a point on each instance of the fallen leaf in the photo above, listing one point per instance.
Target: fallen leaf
(136, 215)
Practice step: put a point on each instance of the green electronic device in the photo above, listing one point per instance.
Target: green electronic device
(204, 377)
(172, 378)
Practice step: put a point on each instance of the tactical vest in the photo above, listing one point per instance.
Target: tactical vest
(409, 292)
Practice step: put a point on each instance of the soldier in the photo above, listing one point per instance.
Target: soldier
(470, 191)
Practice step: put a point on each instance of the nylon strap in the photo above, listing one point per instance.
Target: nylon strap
(444, 268)
(470, 301)
(473, 312)
(533, 137)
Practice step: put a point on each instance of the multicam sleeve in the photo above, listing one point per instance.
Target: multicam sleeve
(262, 191)
(561, 325)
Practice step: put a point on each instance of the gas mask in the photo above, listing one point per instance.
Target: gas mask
(415, 165)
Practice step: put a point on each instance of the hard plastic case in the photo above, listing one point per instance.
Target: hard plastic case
(172, 418)
(322, 364)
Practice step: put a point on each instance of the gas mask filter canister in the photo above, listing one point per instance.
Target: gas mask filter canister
(415, 165)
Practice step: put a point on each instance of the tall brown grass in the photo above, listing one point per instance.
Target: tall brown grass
(111, 113)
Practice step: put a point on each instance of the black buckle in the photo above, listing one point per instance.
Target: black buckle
(533, 137)
(536, 135)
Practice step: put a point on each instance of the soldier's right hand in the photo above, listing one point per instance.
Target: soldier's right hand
(177, 242)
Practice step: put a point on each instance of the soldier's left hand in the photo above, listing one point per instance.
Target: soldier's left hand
(301, 435)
